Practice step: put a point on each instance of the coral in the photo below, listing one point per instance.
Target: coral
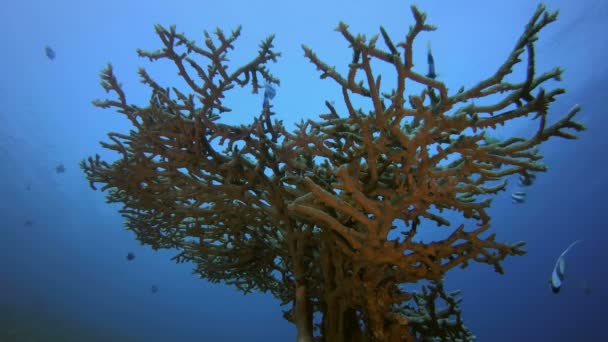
(425, 319)
(307, 214)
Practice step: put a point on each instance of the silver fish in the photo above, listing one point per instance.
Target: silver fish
(518, 197)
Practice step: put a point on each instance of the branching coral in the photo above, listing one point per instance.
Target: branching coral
(308, 215)
(427, 319)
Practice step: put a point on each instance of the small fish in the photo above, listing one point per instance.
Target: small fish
(557, 276)
(431, 61)
(130, 256)
(518, 197)
(60, 168)
(269, 94)
(526, 179)
(154, 289)
(50, 53)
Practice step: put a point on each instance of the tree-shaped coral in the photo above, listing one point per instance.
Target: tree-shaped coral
(311, 215)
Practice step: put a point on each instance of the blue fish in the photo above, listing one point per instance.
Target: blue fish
(269, 94)
(130, 256)
(50, 53)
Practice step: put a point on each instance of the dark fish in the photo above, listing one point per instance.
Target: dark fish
(154, 289)
(50, 53)
(130, 256)
(60, 168)
(526, 179)
(557, 276)
(28, 223)
(431, 61)
(269, 94)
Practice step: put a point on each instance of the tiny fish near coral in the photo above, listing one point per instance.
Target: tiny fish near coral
(518, 197)
(269, 94)
(526, 179)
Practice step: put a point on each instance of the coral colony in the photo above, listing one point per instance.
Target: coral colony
(306, 214)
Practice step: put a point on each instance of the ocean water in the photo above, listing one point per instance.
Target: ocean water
(64, 275)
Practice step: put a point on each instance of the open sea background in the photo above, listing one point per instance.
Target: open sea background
(63, 271)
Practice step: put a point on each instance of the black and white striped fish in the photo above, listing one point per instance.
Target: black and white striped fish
(557, 276)
(525, 180)
(518, 197)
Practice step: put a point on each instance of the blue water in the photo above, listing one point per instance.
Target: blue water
(63, 267)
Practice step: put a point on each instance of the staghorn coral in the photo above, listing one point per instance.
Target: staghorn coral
(426, 320)
(307, 214)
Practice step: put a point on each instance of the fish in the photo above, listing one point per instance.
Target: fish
(154, 289)
(518, 197)
(431, 61)
(50, 53)
(269, 94)
(557, 276)
(60, 168)
(526, 179)
(130, 256)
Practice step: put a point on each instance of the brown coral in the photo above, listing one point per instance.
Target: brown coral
(307, 214)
